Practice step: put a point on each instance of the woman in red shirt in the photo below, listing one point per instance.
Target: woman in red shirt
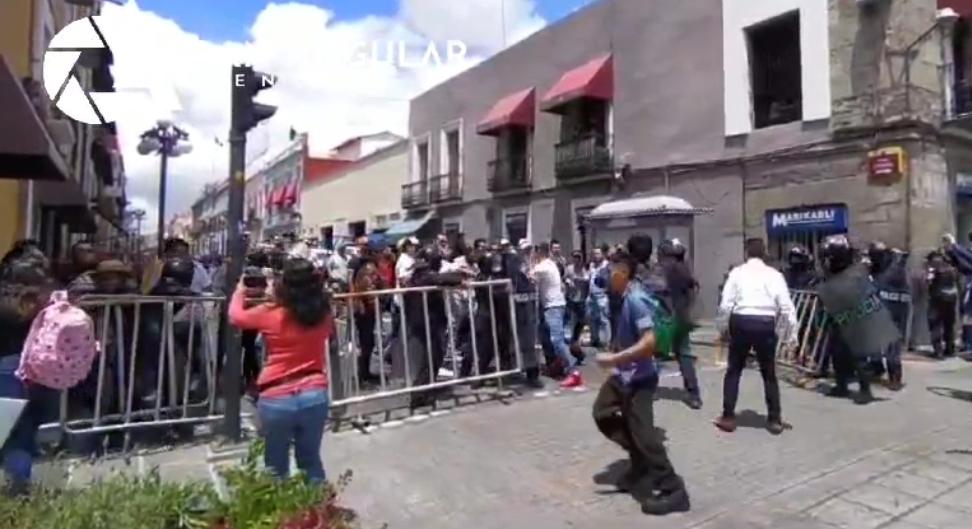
(294, 404)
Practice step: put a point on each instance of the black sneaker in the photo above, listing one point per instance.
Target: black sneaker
(671, 502)
(535, 383)
(840, 392)
(694, 402)
(864, 398)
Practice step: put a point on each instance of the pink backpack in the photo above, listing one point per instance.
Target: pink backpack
(60, 347)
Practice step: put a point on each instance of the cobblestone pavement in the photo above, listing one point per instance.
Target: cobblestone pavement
(536, 463)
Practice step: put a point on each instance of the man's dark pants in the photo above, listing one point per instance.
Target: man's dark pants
(365, 328)
(752, 333)
(941, 325)
(626, 416)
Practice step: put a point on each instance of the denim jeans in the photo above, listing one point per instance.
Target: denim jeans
(599, 319)
(18, 452)
(299, 420)
(555, 340)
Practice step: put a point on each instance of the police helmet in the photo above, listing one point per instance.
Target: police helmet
(672, 248)
(836, 254)
(179, 269)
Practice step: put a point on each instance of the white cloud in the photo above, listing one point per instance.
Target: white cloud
(319, 90)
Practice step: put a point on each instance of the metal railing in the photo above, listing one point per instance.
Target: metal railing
(584, 156)
(507, 174)
(471, 332)
(158, 365)
(415, 194)
(445, 187)
(813, 333)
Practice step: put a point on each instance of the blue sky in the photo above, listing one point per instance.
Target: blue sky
(220, 20)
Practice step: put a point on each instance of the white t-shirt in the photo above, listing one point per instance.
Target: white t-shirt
(403, 268)
(549, 284)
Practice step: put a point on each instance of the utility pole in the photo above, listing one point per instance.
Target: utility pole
(246, 114)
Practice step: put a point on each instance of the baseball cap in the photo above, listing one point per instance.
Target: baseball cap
(525, 244)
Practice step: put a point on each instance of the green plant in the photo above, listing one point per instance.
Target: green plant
(256, 500)
(261, 501)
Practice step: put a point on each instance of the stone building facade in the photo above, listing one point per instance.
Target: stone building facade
(790, 119)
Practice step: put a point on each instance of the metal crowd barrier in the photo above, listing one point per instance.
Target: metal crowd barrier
(131, 385)
(418, 345)
(813, 332)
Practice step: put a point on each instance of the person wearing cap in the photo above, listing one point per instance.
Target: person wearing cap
(405, 265)
(553, 303)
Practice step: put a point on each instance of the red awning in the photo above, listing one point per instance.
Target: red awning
(290, 194)
(594, 79)
(962, 7)
(277, 199)
(514, 110)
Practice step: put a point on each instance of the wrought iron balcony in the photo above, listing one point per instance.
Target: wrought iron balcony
(586, 155)
(508, 174)
(444, 188)
(415, 194)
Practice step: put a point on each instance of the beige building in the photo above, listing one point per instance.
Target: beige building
(361, 198)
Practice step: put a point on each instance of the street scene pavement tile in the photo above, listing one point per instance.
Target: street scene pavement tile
(884, 499)
(936, 516)
(849, 515)
(913, 484)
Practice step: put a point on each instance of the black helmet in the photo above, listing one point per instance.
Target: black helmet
(880, 256)
(836, 254)
(798, 256)
(672, 248)
(179, 269)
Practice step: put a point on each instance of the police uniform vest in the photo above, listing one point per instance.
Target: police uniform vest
(524, 290)
(892, 285)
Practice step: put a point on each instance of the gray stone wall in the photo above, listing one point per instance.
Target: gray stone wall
(868, 81)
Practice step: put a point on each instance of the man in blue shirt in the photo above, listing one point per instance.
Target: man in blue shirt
(623, 409)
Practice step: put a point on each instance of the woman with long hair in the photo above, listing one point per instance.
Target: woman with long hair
(293, 403)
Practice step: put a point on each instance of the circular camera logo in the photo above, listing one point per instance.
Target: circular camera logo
(78, 44)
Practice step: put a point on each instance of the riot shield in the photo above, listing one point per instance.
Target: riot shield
(853, 304)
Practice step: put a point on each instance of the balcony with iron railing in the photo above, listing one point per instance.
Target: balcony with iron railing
(508, 174)
(445, 188)
(587, 155)
(415, 194)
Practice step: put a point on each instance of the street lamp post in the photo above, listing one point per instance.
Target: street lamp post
(166, 140)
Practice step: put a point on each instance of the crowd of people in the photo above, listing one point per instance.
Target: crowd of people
(637, 301)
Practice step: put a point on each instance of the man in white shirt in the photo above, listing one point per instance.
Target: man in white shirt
(553, 303)
(406, 260)
(337, 265)
(754, 297)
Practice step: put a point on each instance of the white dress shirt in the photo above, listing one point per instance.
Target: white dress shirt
(755, 289)
(549, 284)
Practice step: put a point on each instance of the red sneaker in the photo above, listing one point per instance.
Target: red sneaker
(573, 380)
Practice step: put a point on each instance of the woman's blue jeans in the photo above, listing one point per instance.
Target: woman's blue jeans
(18, 451)
(296, 420)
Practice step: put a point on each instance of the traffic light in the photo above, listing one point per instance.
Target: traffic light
(246, 112)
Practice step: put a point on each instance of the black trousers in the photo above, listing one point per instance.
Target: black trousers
(752, 333)
(436, 348)
(365, 328)
(941, 326)
(626, 416)
(576, 319)
(848, 366)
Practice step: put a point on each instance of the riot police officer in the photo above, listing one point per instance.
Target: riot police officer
(836, 256)
(517, 266)
(799, 271)
(890, 276)
(942, 280)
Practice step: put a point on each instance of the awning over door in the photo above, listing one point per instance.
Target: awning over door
(408, 227)
(594, 79)
(962, 7)
(514, 110)
(26, 150)
(645, 206)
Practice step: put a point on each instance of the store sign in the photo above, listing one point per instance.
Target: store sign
(829, 219)
(963, 184)
(886, 166)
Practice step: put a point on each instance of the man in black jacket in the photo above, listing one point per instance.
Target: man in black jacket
(428, 332)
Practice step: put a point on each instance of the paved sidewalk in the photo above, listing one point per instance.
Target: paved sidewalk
(539, 463)
(533, 464)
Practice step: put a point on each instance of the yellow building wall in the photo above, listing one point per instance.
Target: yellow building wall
(15, 24)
